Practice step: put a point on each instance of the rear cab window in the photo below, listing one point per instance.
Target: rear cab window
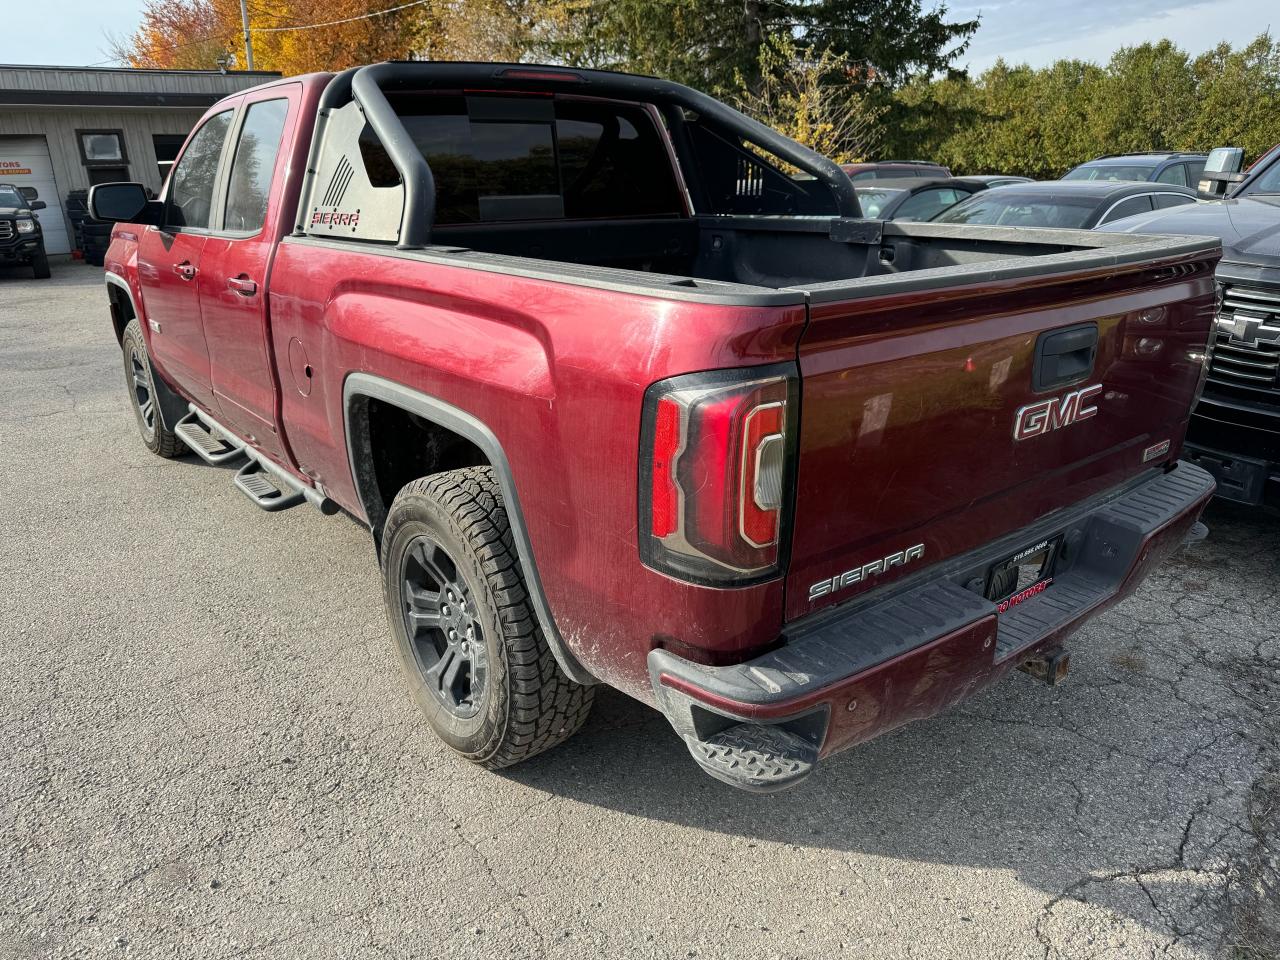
(1111, 171)
(498, 159)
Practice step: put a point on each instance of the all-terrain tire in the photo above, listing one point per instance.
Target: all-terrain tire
(40, 265)
(140, 382)
(526, 703)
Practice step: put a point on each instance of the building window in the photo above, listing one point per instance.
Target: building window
(167, 146)
(101, 147)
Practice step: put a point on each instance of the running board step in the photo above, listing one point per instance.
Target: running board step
(757, 757)
(266, 489)
(212, 448)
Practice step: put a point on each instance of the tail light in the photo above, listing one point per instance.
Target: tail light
(716, 474)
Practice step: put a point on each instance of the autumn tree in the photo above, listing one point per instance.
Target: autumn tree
(203, 34)
(179, 35)
(812, 97)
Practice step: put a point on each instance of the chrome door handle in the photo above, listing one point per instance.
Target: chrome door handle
(243, 285)
(185, 270)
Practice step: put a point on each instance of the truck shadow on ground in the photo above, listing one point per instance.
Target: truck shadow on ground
(1129, 786)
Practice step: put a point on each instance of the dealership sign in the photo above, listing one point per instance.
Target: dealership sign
(9, 168)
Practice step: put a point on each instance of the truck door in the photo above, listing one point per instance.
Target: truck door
(169, 259)
(236, 264)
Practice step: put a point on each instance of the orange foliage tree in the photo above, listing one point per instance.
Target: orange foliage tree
(199, 34)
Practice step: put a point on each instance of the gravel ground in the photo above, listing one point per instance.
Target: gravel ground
(210, 752)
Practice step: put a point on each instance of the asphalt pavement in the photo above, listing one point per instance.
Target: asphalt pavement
(208, 751)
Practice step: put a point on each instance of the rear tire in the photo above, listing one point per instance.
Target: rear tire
(470, 644)
(40, 266)
(141, 384)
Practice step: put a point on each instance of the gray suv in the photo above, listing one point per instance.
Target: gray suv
(1179, 169)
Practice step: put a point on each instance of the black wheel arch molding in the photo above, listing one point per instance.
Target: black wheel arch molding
(171, 404)
(359, 387)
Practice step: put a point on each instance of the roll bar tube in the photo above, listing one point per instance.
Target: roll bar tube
(368, 87)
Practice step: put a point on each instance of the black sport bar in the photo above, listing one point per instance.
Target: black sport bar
(369, 86)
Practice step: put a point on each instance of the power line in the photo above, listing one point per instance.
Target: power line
(224, 38)
(334, 23)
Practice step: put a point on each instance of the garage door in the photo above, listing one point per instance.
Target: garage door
(24, 162)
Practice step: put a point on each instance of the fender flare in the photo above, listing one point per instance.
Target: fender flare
(171, 404)
(437, 411)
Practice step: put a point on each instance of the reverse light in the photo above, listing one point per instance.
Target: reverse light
(716, 473)
(26, 225)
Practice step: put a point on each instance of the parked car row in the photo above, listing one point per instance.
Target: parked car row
(1235, 429)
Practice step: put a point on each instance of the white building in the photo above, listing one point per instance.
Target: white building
(65, 128)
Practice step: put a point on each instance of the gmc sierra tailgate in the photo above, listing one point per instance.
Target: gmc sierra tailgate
(942, 410)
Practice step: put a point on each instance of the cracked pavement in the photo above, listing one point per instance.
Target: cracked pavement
(210, 752)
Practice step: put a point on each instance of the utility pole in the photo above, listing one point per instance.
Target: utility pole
(248, 44)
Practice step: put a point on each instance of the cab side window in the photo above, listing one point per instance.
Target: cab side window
(1175, 173)
(253, 166)
(190, 200)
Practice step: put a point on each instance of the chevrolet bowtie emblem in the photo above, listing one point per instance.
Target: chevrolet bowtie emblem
(1248, 329)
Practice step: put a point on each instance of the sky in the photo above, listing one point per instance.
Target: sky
(1031, 31)
(1041, 31)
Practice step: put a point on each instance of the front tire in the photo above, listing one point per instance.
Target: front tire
(40, 265)
(470, 644)
(143, 397)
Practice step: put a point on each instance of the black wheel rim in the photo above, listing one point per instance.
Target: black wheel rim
(443, 627)
(142, 398)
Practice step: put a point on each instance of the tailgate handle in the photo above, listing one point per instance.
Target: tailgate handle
(1064, 356)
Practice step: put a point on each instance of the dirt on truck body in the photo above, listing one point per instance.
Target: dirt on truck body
(628, 391)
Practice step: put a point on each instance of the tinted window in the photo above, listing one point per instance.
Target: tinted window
(928, 204)
(11, 198)
(1128, 208)
(1175, 173)
(1268, 181)
(1194, 170)
(253, 165)
(864, 175)
(190, 198)
(1008, 207)
(1112, 171)
(1165, 200)
(501, 159)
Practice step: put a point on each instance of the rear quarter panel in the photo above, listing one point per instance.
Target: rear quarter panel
(558, 372)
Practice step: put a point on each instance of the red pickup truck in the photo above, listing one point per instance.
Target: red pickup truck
(628, 392)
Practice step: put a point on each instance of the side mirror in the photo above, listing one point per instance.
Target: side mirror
(1225, 160)
(118, 202)
(38, 204)
(1222, 171)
